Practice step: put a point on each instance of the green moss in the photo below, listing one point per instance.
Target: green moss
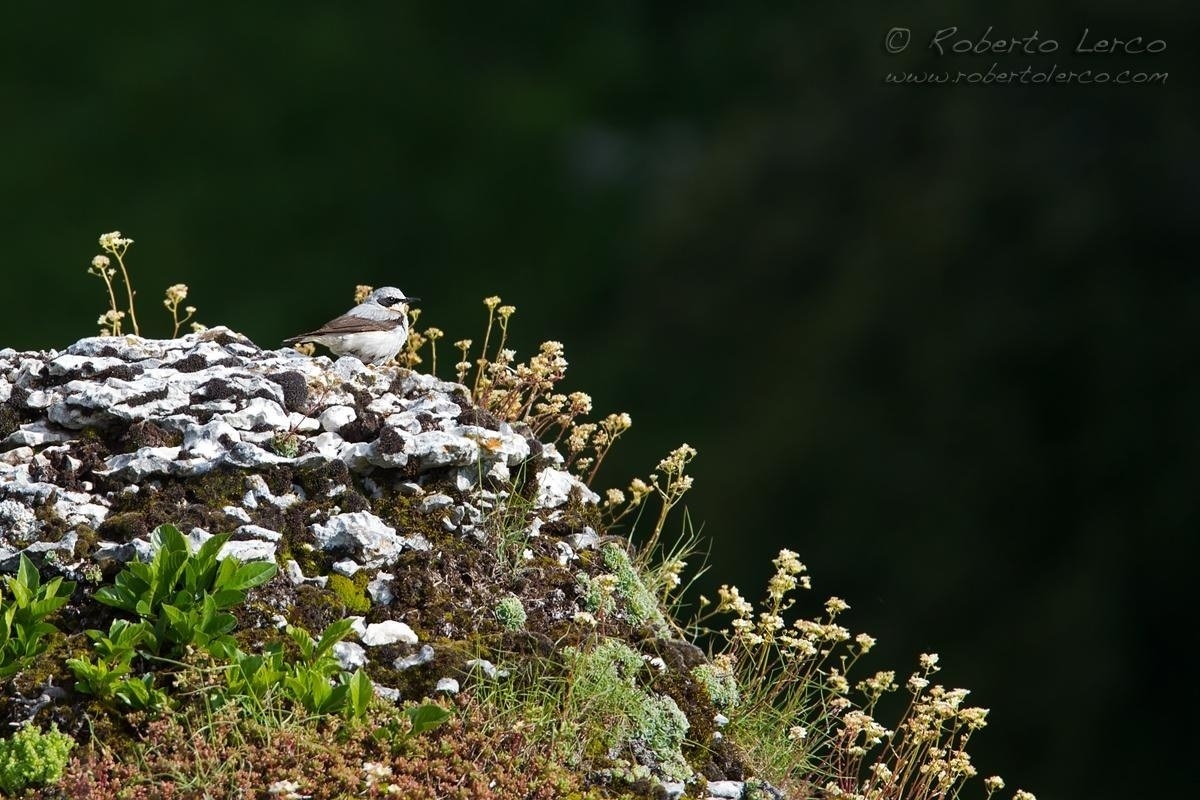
(86, 541)
(400, 511)
(219, 488)
(52, 526)
(352, 591)
(10, 420)
(148, 434)
(123, 527)
(315, 608)
(30, 757)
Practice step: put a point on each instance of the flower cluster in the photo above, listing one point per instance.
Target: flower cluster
(116, 245)
(176, 294)
(525, 391)
(671, 482)
(820, 728)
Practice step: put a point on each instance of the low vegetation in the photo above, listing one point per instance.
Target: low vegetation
(176, 687)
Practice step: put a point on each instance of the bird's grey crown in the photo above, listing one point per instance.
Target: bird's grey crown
(387, 296)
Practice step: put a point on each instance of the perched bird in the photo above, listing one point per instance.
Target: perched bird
(374, 331)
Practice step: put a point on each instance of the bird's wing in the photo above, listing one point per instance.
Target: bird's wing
(345, 324)
(371, 311)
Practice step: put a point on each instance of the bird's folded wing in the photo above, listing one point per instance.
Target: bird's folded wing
(346, 324)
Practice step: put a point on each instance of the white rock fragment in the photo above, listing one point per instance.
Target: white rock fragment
(251, 550)
(63, 548)
(387, 693)
(16, 520)
(350, 655)
(585, 540)
(197, 537)
(327, 445)
(296, 575)
(346, 567)
(422, 656)
(86, 366)
(38, 399)
(29, 372)
(137, 466)
(257, 532)
(237, 512)
(113, 553)
(19, 455)
(299, 423)
(372, 541)
(447, 685)
(499, 472)
(726, 790)
(434, 449)
(358, 456)
(555, 487)
(380, 588)
(334, 418)
(435, 502)
(208, 441)
(388, 632)
(674, 789)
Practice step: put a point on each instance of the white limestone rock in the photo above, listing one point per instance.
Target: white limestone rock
(250, 550)
(380, 589)
(726, 790)
(334, 418)
(388, 632)
(422, 656)
(17, 521)
(350, 655)
(36, 434)
(555, 487)
(257, 532)
(369, 539)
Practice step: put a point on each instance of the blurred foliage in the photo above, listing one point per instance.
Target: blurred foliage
(942, 341)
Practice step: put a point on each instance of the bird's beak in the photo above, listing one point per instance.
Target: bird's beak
(411, 300)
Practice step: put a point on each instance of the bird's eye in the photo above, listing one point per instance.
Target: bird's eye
(390, 301)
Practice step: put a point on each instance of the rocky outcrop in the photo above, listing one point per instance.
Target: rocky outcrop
(383, 494)
(386, 480)
(86, 431)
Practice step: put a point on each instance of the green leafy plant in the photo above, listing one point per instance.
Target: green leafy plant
(184, 595)
(417, 720)
(315, 679)
(180, 598)
(107, 678)
(30, 757)
(23, 629)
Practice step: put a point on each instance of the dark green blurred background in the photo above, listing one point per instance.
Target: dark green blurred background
(940, 340)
